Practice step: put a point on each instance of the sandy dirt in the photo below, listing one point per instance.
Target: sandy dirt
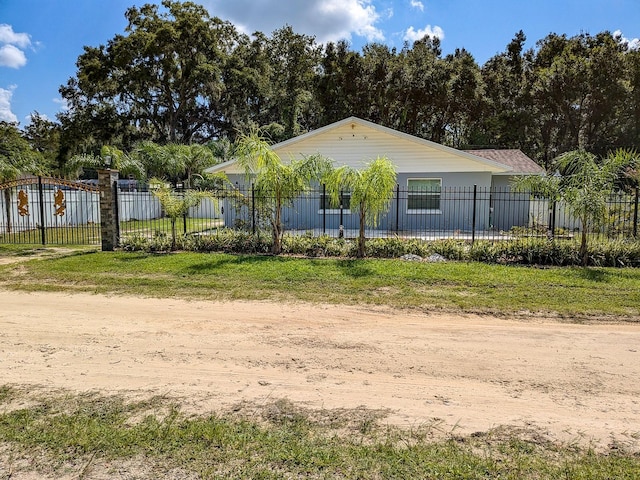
(462, 373)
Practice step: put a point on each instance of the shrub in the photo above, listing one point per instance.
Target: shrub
(322, 246)
(528, 251)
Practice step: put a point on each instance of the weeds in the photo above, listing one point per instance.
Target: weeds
(285, 441)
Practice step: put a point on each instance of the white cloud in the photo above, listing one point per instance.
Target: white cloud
(64, 105)
(6, 114)
(417, 4)
(412, 35)
(632, 44)
(11, 56)
(8, 36)
(327, 20)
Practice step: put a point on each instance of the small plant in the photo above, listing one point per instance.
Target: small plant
(177, 205)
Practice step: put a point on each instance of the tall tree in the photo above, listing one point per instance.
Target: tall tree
(44, 137)
(163, 76)
(578, 90)
(295, 59)
(423, 92)
(16, 155)
(337, 84)
(507, 120)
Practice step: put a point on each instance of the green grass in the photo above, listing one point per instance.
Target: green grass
(163, 225)
(87, 234)
(277, 440)
(577, 293)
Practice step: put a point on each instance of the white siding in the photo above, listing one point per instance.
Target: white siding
(354, 144)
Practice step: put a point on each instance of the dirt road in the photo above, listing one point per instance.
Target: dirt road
(463, 373)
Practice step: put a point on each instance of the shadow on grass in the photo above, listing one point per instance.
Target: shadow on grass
(593, 274)
(226, 261)
(355, 268)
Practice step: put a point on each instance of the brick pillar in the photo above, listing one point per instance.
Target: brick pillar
(109, 224)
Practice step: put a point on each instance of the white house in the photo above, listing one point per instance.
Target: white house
(437, 181)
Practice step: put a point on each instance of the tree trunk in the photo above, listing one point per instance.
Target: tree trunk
(584, 253)
(361, 237)
(276, 249)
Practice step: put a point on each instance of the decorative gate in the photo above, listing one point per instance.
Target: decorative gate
(44, 210)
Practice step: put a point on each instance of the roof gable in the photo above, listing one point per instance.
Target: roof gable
(354, 142)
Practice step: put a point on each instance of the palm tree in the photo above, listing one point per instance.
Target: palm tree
(176, 205)
(371, 191)
(583, 183)
(176, 162)
(275, 183)
(109, 157)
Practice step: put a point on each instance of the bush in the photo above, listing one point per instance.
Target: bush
(322, 246)
(528, 251)
(160, 242)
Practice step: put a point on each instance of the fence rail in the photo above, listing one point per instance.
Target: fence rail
(48, 211)
(464, 212)
(43, 210)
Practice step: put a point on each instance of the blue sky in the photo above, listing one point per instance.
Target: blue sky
(40, 40)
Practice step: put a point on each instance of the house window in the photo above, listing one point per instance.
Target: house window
(423, 195)
(328, 205)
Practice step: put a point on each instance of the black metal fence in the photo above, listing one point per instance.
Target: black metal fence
(467, 213)
(41, 210)
(44, 210)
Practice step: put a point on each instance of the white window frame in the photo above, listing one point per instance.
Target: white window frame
(335, 211)
(419, 211)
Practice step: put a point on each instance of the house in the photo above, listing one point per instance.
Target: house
(436, 183)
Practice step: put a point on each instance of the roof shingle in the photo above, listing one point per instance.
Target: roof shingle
(514, 158)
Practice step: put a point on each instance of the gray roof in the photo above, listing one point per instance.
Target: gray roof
(514, 158)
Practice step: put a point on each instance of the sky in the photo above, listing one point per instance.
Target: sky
(40, 40)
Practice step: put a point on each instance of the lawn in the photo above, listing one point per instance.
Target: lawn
(86, 434)
(574, 293)
(91, 434)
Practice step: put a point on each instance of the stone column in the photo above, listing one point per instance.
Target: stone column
(109, 222)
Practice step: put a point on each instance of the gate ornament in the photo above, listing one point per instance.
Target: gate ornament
(23, 203)
(59, 203)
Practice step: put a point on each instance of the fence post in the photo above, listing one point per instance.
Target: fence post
(323, 204)
(43, 233)
(109, 222)
(253, 209)
(635, 214)
(397, 208)
(341, 227)
(473, 224)
(552, 220)
(116, 209)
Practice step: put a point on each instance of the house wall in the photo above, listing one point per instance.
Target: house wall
(355, 144)
(509, 208)
(455, 213)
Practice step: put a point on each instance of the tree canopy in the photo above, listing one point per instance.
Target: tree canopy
(179, 75)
